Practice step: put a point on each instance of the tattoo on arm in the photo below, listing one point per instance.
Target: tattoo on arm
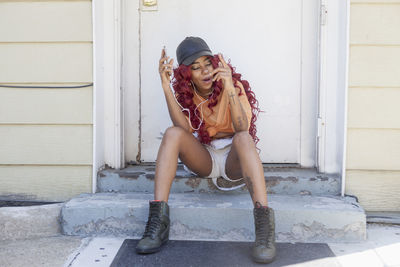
(249, 185)
(232, 95)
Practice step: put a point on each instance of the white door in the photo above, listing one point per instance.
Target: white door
(265, 40)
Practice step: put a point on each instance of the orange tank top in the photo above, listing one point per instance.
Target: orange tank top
(219, 119)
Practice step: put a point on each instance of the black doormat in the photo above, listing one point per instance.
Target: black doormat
(218, 253)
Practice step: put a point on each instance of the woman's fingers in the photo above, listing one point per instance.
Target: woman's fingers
(163, 66)
(166, 69)
(226, 72)
(163, 59)
(216, 77)
(220, 76)
(222, 67)
(163, 54)
(217, 70)
(221, 58)
(171, 63)
(168, 65)
(165, 75)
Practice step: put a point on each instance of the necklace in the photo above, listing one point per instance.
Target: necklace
(199, 94)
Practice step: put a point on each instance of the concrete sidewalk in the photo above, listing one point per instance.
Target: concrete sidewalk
(382, 248)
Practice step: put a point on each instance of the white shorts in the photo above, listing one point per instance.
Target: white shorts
(219, 150)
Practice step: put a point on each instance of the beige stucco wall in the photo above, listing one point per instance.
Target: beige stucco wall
(373, 139)
(45, 134)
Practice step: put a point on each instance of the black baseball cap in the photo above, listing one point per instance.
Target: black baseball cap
(191, 49)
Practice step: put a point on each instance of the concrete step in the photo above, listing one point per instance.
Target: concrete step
(217, 216)
(29, 222)
(279, 180)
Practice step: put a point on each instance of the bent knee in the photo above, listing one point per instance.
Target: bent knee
(174, 132)
(242, 138)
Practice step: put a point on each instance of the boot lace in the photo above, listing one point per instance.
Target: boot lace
(153, 222)
(262, 227)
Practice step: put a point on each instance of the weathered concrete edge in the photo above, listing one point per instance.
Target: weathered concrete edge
(293, 181)
(30, 222)
(193, 223)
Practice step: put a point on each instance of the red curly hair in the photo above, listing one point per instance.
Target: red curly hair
(184, 94)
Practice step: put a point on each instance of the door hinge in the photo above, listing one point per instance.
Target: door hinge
(324, 14)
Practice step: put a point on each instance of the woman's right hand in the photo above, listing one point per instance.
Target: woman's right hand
(165, 69)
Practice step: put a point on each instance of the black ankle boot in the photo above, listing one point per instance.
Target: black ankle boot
(264, 248)
(157, 228)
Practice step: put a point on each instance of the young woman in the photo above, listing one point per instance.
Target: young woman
(213, 113)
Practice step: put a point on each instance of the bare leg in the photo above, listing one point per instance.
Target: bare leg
(243, 161)
(178, 143)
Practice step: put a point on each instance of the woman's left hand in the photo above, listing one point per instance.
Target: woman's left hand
(223, 73)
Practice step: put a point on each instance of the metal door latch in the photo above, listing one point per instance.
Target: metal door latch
(149, 2)
(148, 5)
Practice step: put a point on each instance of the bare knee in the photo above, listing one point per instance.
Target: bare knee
(173, 133)
(242, 138)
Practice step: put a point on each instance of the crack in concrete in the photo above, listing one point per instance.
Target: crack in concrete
(318, 232)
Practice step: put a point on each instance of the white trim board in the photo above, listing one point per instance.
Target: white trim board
(108, 122)
(345, 96)
(333, 87)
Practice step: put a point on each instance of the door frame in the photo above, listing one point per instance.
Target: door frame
(109, 124)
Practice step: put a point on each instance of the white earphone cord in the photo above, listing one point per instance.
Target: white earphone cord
(188, 111)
